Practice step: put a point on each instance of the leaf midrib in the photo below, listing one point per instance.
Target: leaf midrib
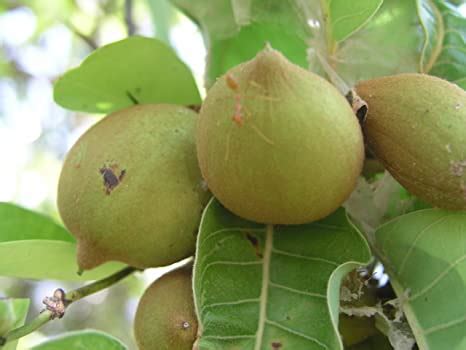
(265, 286)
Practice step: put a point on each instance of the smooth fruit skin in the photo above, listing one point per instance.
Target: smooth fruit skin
(416, 126)
(131, 190)
(165, 317)
(278, 144)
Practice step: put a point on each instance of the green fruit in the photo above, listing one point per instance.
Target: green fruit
(165, 318)
(130, 189)
(278, 144)
(416, 126)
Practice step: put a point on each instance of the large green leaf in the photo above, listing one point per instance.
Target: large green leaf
(133, 70)
(82, 340)
(424, 253)
(450, 63)
(13, 313)
(260, 287)
(34, 246)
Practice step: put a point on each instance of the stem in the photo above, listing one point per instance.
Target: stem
(97, 286)
(130, 27)
(49, 314)
(34, 325)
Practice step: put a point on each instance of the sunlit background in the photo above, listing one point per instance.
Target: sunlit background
(39, 41)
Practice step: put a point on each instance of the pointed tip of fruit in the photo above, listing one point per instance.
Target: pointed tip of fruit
(89, 256)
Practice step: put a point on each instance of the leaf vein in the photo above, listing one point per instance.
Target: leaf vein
(295, 332)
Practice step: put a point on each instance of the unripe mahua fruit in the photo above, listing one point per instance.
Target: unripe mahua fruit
(130, 189)
(165, 318)
(277, 144)
(416, 125)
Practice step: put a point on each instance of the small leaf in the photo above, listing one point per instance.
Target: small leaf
(235, 31)
(260, 287)
(13, 314)
(133, 70)
(433, 30)
(47, 259)
(81, 340)
(347, 17)
(17, 223)
(450, 63)
(424, 255)
(388, 44)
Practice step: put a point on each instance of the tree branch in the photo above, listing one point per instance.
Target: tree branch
(56, 305)
(130, 26)
(87, 39)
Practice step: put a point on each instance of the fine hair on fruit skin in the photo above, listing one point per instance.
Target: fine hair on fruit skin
(278, 144)
(131, 189)
(165, 317)
(416, 127)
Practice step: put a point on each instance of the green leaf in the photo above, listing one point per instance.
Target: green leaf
(17, 223)
(346, 17)
(235, 31)
(47, 259)
(450, 63)
(258, 287)
(424, 255)
(133, 70)
(34, 246)
(13, 314)
(388, 44)
(433, 30)
(82, 340)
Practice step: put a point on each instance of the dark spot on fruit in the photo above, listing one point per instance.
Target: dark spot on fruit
(109, 175)
(255, 243)
(276, 345)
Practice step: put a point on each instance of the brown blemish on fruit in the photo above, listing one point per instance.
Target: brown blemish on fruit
(109, 175)
(255, 243)
(276, 345)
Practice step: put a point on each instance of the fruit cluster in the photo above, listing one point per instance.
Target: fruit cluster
(275, 144)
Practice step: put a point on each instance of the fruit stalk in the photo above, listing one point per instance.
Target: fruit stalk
(53, 310)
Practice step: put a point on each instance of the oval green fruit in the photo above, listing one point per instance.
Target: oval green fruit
(165, 317)
(278, 144)
(416, 126)
(131, 190)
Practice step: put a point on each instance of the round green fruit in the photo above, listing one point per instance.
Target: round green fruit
(165, 318)
(131, 190)
(416, 126)
(277, 144)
